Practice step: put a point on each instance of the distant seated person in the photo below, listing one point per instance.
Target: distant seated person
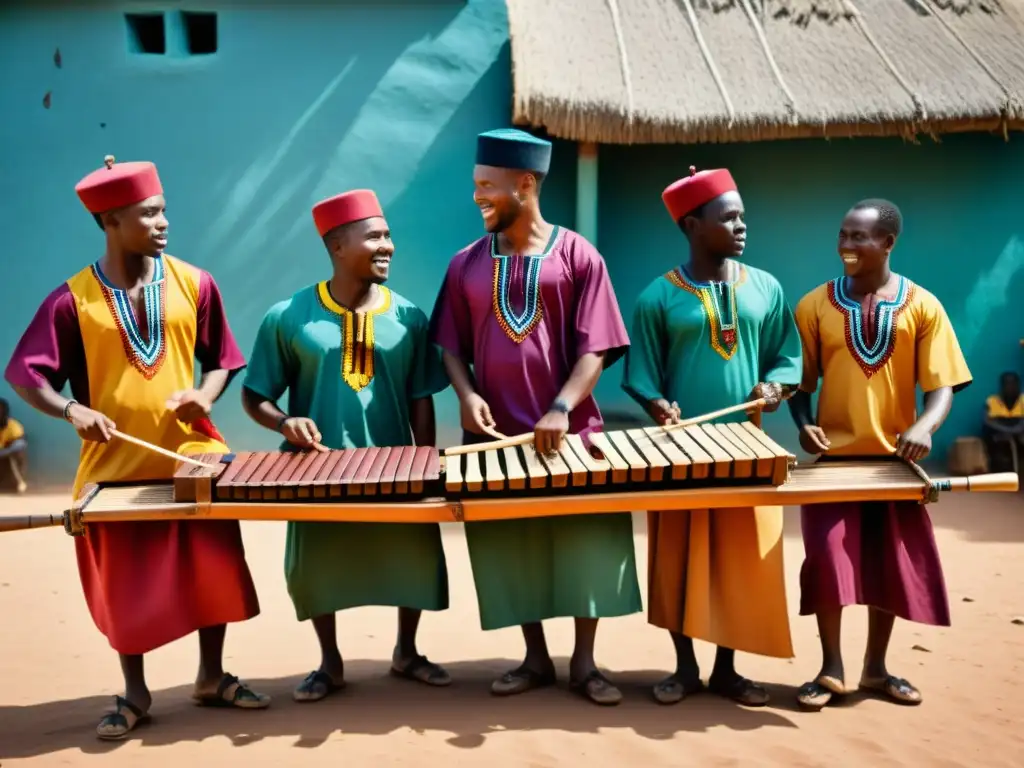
(12, 445)
(1004, 419)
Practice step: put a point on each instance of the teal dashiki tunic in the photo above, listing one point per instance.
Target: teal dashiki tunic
(707, 345)
(715, 575)
(358, 394)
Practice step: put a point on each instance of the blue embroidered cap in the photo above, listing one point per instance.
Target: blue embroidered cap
(512, 148)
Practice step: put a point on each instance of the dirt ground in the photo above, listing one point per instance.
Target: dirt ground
(58, 676)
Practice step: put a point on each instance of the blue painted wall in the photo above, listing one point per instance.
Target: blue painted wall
(306, 101)
(963, 232)
(298, 103)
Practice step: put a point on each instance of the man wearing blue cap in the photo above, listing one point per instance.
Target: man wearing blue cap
(527, 320)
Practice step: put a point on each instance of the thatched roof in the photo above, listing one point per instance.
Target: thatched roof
(688, 71)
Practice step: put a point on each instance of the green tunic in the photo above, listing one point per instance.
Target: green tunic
(717, 577)
(305, 345)
(676, 353)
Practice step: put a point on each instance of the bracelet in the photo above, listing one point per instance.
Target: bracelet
(281, 421)
(67, 409)
(559, 406)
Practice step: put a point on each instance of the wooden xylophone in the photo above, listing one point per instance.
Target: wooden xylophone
(652, 457)
(644, 469)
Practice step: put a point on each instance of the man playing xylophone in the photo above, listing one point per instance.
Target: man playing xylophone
(359, 372)
(124, 333)
(707, 335)
(872, 337)
(531, 308)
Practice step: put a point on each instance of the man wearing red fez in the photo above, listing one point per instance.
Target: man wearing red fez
(872, 337)
(354, 359)
(125, 334)
(709, 334)
(528, 319)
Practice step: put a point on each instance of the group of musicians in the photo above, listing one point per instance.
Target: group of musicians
(525, 322)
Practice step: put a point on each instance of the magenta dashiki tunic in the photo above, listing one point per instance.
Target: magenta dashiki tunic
(522, 322)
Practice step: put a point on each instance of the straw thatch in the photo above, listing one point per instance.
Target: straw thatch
(688, 71)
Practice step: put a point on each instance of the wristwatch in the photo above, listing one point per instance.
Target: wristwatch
(560, 406)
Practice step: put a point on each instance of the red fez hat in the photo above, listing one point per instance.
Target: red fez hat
(115, 186)
(684, 195)
(345, 208)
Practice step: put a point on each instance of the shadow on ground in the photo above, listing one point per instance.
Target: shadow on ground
(374, 703)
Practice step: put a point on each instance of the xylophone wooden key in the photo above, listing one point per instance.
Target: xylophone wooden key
(271, 480)
(313, 475)
(620, 468)
(192, 483)
(597, 468)
(304, 468)
(649, 456)
(518, 468)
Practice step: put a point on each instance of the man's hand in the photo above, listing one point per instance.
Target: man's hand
(190, 405)
(770, 392)
(813, 440)
(301, 432)
(90, 424)
(663, 412)
(476, 415)
(914, 444)
(549, 431)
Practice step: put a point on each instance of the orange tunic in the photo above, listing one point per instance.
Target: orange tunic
(146, 583)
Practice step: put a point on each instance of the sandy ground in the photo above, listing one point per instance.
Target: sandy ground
(57, 676)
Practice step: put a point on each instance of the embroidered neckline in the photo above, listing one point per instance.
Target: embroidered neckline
(146, 355)
(518, 326)
(357, 339)
(718, 299)
(870, 357)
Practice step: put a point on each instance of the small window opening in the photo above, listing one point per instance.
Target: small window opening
(146, 32)
(201, 32)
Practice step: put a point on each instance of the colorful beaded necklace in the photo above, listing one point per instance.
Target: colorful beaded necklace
(719, 301)
(357, 342)
(145, 354)
(506, 275)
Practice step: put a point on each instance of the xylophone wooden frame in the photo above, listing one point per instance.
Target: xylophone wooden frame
(885, 480)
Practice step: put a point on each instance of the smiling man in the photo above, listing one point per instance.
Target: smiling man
(354, 359)
(709, 334)
(872, 337)
(530, 309)
(125, 334)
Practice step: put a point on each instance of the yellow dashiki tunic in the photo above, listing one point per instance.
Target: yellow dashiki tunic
(146, 583)
(870, 355)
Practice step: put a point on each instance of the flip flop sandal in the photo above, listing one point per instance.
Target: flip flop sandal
(895, 688)
(119, 720)
(231, 692)
(832, 684)
(597, 688)
(813, 696)
(522, 680)
(423, 671)
(672, 690)
(316, 685)
(742, 691)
